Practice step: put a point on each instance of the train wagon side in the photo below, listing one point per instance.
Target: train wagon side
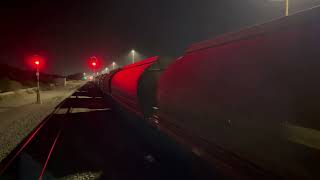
(254, 93)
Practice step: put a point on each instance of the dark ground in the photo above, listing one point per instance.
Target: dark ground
(96, 141)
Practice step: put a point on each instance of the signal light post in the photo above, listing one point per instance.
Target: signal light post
(94, 69)
(94, 63)
(287, 7)
(37, 63)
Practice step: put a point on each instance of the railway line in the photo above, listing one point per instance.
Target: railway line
(86, 138)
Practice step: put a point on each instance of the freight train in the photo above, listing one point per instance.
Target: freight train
(248, 96)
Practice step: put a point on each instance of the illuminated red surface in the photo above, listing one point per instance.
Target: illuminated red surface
(238, 93)
(124, 84)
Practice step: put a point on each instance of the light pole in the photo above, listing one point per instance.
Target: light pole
(287, 7)
(113, 64)
(133, 52)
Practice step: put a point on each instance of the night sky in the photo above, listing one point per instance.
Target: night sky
(66, 33)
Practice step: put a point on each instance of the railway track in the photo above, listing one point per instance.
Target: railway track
(84, 138)
(7, 166)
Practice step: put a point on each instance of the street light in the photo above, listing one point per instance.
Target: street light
(36, 60)
(133, 52)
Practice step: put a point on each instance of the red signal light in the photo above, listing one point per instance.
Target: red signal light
(94, 63)
(36, 61)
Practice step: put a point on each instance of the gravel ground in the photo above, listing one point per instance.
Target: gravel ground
(19, 115)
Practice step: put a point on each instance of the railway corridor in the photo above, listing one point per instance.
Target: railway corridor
(86, 139)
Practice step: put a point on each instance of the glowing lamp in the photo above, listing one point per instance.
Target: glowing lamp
(36, 61)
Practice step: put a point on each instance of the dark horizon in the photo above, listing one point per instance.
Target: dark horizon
(66, 34)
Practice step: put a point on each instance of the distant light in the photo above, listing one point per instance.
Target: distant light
(37, 62)
(94, 63)
(113, 63)
(132, 51)
(84, 74)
